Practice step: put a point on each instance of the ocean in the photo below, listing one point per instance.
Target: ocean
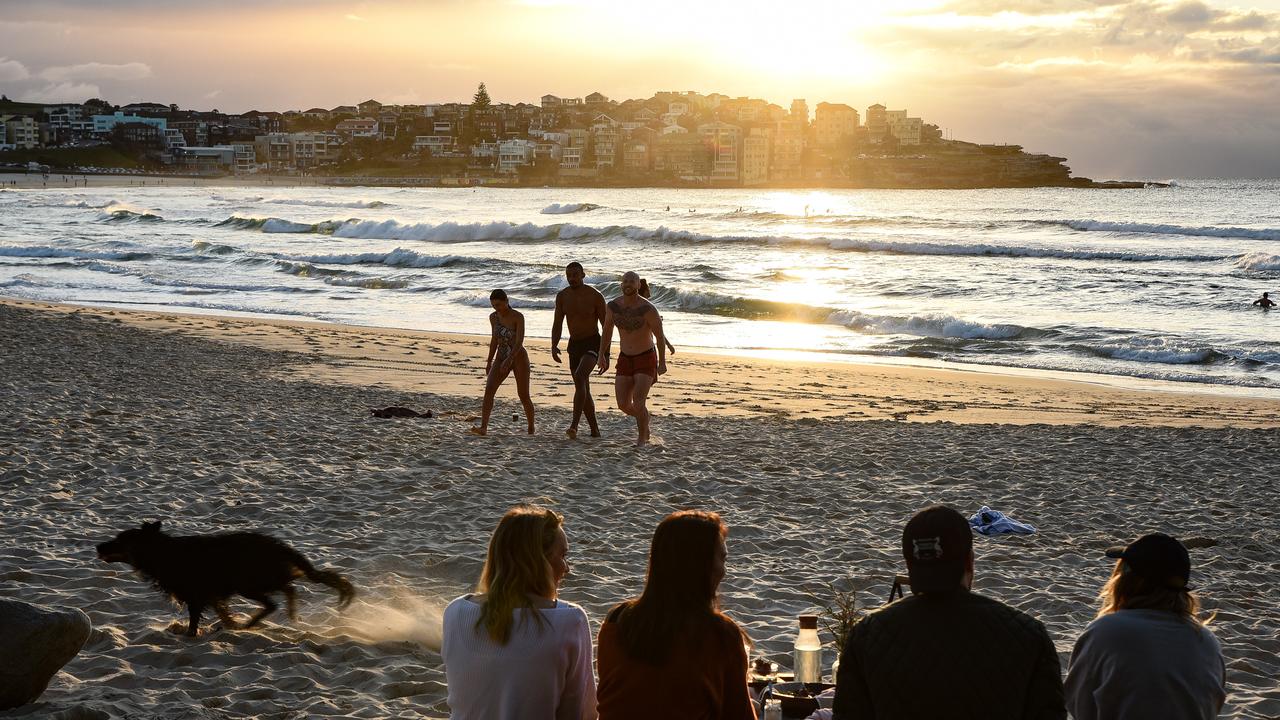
(1131, 286)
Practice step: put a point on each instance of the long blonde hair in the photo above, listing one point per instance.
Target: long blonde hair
(517, 567)
(1128, 590)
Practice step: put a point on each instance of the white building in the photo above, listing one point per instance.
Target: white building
(103, 124)
(437, 144)
(906, 129)
(514, 154)
(20, 132)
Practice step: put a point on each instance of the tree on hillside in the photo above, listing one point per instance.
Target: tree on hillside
(480, 101)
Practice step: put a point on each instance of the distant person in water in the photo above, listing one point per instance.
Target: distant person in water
(646, 293)
(584, 308)
(642, 354)
(506, 354)
(1265, 302)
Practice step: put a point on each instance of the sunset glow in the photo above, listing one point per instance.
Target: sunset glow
(1074, 77)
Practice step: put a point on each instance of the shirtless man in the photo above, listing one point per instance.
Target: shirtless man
(583, 306)
(642, 355)
(1265, 302)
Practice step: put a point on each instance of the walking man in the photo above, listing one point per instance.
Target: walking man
(583, 306)
(642, 351)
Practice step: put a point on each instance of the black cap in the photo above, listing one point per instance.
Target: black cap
(936, 544)
(1157, 557)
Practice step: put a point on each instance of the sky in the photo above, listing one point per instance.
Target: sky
(1142, 89)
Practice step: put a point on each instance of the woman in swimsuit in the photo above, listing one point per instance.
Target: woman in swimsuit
(506, 354)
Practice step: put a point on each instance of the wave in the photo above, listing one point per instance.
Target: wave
(399, 257)
(278, 225)
(44, 251)
(1163, 229)
(558, 209)
(354, 204)
(932, 325)
(115, 213)
(201, 246)
(1166, 353)
(1259, 262)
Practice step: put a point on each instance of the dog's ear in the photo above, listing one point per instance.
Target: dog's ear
(151, 526)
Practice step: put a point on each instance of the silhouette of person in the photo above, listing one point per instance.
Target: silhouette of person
(1265, 302)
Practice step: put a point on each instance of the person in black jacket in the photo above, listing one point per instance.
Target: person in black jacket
(943, 651)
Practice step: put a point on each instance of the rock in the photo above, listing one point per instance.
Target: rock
(35, 642)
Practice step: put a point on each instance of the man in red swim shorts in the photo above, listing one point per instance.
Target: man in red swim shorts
(642, 351)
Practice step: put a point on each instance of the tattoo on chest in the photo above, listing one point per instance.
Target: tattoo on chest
(628, 318)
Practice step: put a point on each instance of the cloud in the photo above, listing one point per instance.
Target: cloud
(354, 18)
(63, 92)
(97, 71)
(12, 70)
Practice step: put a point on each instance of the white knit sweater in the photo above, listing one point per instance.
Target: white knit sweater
(544, 672)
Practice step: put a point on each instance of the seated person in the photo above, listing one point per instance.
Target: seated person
(671, 653)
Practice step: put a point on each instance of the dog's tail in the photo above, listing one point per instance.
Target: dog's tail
(346, 591)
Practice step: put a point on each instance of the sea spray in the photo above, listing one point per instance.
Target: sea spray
(394, 613)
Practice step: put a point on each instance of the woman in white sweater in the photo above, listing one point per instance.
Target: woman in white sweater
(1147, 655)
(512, 650)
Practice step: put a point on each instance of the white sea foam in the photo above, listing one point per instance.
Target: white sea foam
(43, 251)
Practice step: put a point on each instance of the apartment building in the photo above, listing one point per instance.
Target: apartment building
(877, 122)
(755, 156)
(296, 151)
(834, 124)
(21, 132)
(725, 144)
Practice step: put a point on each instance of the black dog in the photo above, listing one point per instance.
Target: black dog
(206, 570)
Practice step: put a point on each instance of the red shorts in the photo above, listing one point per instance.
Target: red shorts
(645, 363)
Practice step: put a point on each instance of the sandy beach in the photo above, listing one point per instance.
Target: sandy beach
(217, 423)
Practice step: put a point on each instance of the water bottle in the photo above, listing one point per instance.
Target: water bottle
(808, 662)
(772, 709)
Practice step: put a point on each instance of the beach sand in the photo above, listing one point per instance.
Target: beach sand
(214, 423)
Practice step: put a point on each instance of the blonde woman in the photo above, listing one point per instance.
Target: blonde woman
(1147, 655)
(513, 650)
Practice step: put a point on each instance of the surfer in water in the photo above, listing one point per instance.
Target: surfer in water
(1265, 302)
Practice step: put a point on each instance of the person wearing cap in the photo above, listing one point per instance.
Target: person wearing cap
(1147, 655)
(944, 651)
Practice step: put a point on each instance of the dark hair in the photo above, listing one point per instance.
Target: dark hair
(574, 265)
(644, 288)
(679, 601)
(498, 295)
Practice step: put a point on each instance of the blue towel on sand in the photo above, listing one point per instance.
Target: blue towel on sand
(993, 522)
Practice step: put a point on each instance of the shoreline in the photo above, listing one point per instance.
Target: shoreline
(754, 384)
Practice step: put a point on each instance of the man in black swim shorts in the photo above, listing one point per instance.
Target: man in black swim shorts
(584, 308)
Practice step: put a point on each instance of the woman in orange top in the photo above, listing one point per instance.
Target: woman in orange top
(671, 653)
